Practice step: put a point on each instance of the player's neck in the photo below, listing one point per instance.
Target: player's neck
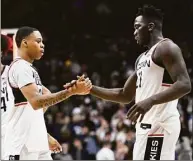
(155, 38)
(25, 56)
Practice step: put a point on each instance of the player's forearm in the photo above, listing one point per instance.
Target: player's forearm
(48, 100)
(176, 91)
(45, 91)
(113, 95)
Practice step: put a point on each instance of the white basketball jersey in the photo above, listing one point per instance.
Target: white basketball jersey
(150, 81)
(7, 99)
(26, 126)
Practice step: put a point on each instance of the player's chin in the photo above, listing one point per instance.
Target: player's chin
(39, 57)
(140, 43)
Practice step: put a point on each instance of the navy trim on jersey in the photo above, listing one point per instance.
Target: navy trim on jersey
(19, 97)
(166, 78)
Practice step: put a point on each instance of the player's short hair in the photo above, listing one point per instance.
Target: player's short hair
(151, 13)
(22, 33)
(6, 49)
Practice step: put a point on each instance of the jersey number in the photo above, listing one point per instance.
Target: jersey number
(139, 79)
(4, 99)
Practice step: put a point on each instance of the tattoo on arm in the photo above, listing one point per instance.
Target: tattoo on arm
(52, 99)
(45, 91)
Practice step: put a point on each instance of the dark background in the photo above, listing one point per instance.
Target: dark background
(95, 37)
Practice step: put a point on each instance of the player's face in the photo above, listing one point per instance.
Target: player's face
(141, 33)
(35, 46)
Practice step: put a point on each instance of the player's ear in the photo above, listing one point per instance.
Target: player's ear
(24, 43)
(151, 26)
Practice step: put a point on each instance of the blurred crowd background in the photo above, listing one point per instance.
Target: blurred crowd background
(95, 38)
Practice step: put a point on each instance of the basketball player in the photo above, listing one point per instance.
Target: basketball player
(7, 98)
(54, 145)
(159, 80)
(26, 135)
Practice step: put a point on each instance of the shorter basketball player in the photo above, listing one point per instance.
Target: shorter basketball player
(7, 98)
(26, 135)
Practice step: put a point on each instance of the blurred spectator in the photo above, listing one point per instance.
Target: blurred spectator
(122, 150)
(64, 155)
(105, 153)
(102, 129)
(90, 141)
(78, 152)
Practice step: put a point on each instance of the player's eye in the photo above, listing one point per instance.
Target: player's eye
(39, 40)
(137, 26)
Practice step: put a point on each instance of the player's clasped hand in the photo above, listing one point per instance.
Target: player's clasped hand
(82, 86)
(139, 110)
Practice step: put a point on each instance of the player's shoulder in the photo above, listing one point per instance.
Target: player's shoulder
(19, 66)
(168, 45)
(19, 63)
(168, 48)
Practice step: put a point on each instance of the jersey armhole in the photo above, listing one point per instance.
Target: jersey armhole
(166, 77)
(153, 52)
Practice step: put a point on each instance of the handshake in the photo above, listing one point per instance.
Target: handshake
(81, 86)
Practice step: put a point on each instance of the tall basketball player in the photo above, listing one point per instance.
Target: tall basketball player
(159, 80)
(26, 134)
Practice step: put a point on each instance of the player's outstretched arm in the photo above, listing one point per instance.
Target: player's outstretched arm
(119, 95)
(38, 101)
(45, 91)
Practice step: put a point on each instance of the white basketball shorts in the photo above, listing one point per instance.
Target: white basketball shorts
(157, 141)
(25, 155)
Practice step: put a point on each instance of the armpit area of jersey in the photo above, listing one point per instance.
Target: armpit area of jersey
(18, 96)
